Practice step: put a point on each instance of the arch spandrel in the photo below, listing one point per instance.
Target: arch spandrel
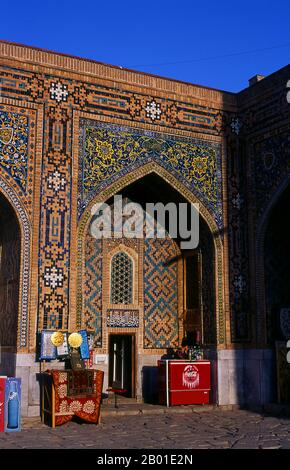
(110, 152)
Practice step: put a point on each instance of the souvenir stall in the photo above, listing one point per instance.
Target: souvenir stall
(75, 390)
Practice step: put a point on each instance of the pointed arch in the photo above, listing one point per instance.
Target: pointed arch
(25, 230)
(115, 188)
(260, 264)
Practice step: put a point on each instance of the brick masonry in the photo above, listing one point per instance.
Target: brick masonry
(50, 107)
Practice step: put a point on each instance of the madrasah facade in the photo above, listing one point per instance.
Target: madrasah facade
(75, 132)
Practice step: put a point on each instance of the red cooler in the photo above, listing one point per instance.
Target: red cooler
(183, 382)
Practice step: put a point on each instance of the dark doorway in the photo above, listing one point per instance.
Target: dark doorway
(121, 362)
(277, 290)
(9, 286)
(277, 266)
(199, 297)
(192, 293)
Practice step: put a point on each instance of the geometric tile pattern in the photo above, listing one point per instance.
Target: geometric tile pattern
(92, 293)
(271, 166)
(208, 285)
(153, 110)
(127, 105)
(133, 105)
(58, 92)
(59, 98)
(108, 152)
(121, 279)
(55, 218)
(238, 253)
(160, 294)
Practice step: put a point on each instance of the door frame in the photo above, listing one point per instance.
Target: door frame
(133, 357)
(187, 254)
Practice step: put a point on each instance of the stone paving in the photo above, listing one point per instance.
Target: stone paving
(217, 429)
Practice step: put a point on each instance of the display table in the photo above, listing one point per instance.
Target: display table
(66, 393)
(183, 382)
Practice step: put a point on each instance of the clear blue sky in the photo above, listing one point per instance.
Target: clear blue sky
(188, 36)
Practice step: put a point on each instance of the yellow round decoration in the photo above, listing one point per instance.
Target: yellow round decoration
(57, 338)
(75, 340)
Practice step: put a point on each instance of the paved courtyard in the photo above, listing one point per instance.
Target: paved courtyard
(196, 430)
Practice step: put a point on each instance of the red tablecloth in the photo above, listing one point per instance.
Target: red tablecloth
(85, 406)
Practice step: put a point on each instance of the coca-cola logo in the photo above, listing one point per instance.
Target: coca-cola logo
(190, 376)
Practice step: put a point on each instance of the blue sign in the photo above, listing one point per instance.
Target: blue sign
(84, 347)
(47, 349)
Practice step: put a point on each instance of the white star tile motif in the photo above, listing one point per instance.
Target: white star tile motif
(53, 277)
(56, 181)
(153, 110)
(239, 283)
(236, 125)
(58, 92)
(238, 201)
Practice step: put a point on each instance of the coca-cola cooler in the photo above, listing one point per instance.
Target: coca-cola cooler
(183, 382)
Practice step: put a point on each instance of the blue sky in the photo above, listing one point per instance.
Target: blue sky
(220, 44)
